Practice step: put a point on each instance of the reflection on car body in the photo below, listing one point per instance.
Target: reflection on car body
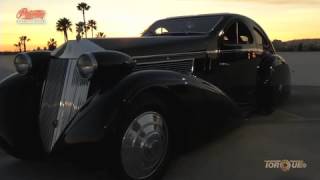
(134, 101)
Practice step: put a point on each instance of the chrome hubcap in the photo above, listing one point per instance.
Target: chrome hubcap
(144, 145)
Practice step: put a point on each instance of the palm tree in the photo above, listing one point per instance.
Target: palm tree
(92, 24)
(63, 25)
(52, 44)
(23, 40)
(101, 35)
(80, 28)
(83, 7)
(18, 45)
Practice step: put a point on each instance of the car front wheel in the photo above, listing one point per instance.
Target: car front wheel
(143, 140)
(144, 145)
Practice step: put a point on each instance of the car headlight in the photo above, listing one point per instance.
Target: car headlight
(23, 63)
(87, 64)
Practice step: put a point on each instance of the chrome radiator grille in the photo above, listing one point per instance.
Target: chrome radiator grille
(63, 95)
(184, 66)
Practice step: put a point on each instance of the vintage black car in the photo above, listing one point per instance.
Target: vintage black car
(132, 102)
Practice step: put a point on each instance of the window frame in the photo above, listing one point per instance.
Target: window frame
(248, 30)
(265, 40)
(237, 44)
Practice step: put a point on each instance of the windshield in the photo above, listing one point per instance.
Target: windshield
(180, 26)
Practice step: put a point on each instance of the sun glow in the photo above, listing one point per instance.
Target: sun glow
(283, 19)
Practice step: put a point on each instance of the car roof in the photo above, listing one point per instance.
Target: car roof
(206, 15)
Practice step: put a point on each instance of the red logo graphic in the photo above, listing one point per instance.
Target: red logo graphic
(24, 13)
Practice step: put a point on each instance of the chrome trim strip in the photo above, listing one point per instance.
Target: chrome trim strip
(237, 50)
(166, 55)
(184, 66)
(192, 67)
(165, 61)
(213, 51)
(192, 53)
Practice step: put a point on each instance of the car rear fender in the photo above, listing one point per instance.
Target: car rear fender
(274, 69)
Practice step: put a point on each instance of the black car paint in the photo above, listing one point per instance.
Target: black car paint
(19, 108)
(144, 46)
(203, 97)
(114, 85)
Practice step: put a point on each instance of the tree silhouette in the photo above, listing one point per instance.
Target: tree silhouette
(64, 25)
(80, 28)
(100, 35)
(52, 44)
(83, 7)
(23, 40)
(92, 24)
(18, 45)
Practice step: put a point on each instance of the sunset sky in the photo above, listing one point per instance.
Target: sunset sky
(281, 19)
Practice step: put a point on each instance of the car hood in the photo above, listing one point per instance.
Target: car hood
(140, 46)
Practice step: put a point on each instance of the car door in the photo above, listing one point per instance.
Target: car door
(235, 72)
(238, 61)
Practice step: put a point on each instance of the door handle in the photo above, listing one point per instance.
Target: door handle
(224, 64)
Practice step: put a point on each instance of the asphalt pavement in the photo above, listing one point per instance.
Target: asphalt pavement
(290, 133)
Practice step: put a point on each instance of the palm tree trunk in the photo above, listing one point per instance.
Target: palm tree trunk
(92, 32)
(84, 21)
(65, 35)
(24, 45)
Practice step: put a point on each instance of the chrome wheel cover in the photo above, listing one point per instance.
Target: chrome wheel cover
(144, 145)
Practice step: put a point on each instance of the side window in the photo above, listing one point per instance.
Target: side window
(261, 41)
(230, 36)
(161, 30)
(259, 38)
(244, 34)
(237, 33)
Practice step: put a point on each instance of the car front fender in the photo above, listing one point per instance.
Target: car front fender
(202, 105)
(19, 108)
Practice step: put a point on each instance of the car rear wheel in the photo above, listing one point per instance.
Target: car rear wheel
(270, 94)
